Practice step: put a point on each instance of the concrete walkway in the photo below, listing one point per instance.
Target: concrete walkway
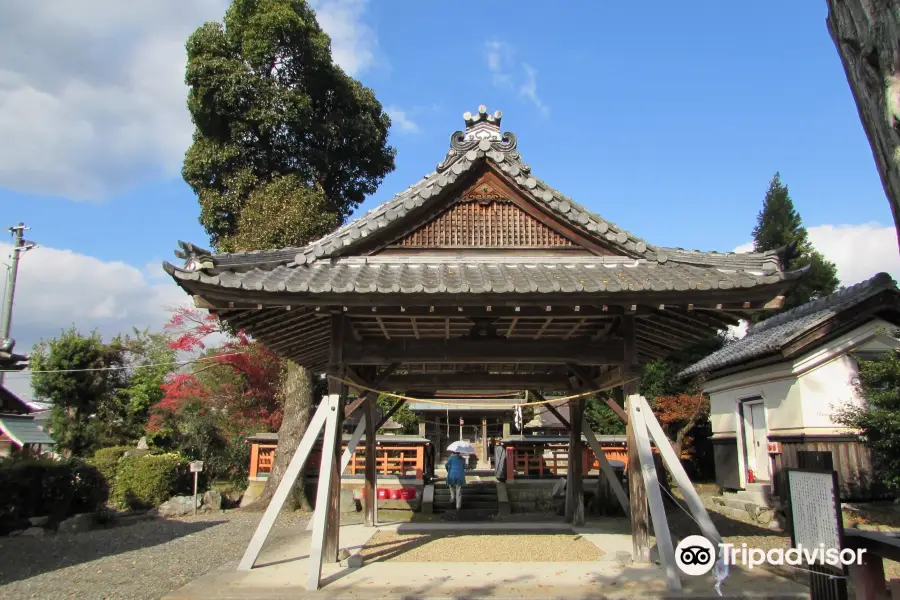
(282, 572)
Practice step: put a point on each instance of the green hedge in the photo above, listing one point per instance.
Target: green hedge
(148, 481)
(106, 460)
(43, 487)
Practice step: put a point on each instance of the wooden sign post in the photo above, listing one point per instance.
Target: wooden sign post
(196, 468)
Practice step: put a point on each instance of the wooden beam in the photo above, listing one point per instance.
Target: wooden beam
(525, 312)
(646, 469)
(555, 412)
(389, 413)
(232, 299)
(637, 492)
(474, 381)
(318, 551)
(374, 383)
(331, 545)
(576, 466)
(588, 382)
(285, 486)
(464, 351)
(606, 468)
(370, 499)
(673, 462)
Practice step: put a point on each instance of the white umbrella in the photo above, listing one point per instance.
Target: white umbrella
(461, 447)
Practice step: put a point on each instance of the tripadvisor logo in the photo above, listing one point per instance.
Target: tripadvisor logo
(696, 555)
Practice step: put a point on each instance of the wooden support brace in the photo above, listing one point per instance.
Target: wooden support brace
(654, 497)
(345, 458)
(587, 382)
(351, 376)
(672, 462)
(284, 487)
(389, 413)
(326, 481)
(607, 469)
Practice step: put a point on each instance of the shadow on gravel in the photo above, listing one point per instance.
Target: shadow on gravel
(25, 557)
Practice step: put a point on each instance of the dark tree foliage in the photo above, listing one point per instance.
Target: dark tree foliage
(879, 419)
(71, 373)
(286, 146)
(778, 224)
(275, 118)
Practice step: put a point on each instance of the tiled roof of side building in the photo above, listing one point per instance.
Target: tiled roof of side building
(482, 141)
(775, 333)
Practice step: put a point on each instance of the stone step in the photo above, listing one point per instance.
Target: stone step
(468, 504)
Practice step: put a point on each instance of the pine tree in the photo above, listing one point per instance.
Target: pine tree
(779, 225)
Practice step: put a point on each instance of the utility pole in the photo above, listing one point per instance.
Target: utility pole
(20, 246)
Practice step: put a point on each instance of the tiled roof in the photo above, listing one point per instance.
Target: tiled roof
(482, 141)
(773, 334)
(23, 430)
(510, 274)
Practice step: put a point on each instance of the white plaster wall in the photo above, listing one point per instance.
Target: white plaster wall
(826, 388)
(802, 394)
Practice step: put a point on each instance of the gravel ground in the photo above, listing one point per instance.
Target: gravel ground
(444, 547)
(141, 561)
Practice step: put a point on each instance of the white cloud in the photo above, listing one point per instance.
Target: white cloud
(59, 288)
(501, 63)
(858, 251)
(499, 56)
(529, 89)
(92, 94)
(353, 43)
(401, 119)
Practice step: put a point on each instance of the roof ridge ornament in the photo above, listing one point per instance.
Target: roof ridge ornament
(481, 138)
(483, 126)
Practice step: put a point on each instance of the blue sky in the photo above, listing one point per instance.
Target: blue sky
(669, 120)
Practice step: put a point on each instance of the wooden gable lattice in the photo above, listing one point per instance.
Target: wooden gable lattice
(487, 214)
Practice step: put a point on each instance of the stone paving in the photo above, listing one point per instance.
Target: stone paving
(283, 573)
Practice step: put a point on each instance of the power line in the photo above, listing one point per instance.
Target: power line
(123, 367)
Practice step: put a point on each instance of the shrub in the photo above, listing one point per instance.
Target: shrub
(43, 487)
(147, 481)
(106, 460)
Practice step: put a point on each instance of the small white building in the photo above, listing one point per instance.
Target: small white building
(774, 393)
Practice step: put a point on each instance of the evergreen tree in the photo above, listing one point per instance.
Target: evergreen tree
(72, 372)
(779, 225)
(286, 146)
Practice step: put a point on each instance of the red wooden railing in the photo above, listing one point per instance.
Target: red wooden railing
(552, 459)
(389, 460)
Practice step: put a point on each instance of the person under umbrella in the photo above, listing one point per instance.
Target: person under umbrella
(456, 472)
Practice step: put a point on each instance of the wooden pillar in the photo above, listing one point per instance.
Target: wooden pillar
(371, 472)
(484, 441)
(637, 493)
(335, 368)
(506, 430)
(422, 429)
(574, 477)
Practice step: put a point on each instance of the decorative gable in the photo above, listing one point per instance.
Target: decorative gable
(486, 214)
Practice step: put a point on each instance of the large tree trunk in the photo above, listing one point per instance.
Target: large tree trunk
(867, 36)
(296, 391)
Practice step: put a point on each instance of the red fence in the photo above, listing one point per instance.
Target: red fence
(552, 459)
